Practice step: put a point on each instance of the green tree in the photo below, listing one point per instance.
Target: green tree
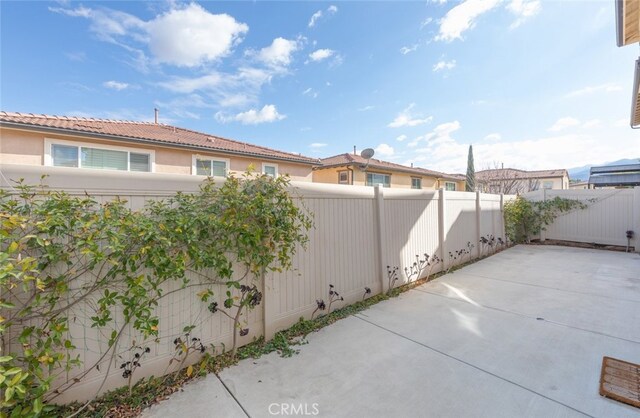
(471, 172)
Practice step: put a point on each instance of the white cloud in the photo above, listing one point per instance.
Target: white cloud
(186, 36)
(447, 154)
(321, 54)
(406, 49)
(192, 36)
(279, 53)
(444, 65)
(365, 108)
(405, 118)
(426, 22)
(564, 123)
(268, 113)
(318, 145)
(602, 88)
(494, 137)
(384, 150)
(237, 89)
(621, 123)
(309, 92)
(523, 10)
(592, 124)
(115, 85)
(314, 18)
(462, 18)
(319, 14)
(401, 138)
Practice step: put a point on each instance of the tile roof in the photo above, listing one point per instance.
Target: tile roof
(510, 173)
(148, 132)
(354, 159)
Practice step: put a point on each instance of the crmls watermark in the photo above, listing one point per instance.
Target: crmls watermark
(288, 409)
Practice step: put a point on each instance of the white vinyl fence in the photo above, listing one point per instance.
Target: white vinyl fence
(358, 232)
(609, 214)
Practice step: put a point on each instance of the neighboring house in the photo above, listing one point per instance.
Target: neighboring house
(353, 169)
(514, 181)
(615, 176)
(578, 185)
(88, 143)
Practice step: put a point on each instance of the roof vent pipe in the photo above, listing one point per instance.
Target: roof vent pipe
(156, 111)
(354, 150)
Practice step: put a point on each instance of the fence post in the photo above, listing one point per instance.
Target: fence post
(478, 226)
(380, 234)
(502, 221)
(543, 233)
(636, 219)
(267, 316)
(441, 224)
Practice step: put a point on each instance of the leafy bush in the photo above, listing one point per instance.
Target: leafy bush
(60, 252)
(524, 218)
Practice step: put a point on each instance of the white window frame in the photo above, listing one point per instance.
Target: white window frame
(196, 157)
(366, 179)
(419, 179)
(450, 182)
(271, 165)
(546, 183)
(341, 173)
(48, 154)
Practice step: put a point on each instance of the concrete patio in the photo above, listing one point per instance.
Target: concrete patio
(519, 334)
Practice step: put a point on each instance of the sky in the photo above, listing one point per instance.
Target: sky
(530, 84)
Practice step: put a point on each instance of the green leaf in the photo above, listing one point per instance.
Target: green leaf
(37, 405)
(13, 247)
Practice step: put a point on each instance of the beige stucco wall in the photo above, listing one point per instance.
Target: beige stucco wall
(559, 183)
(26, 147)
(398, 180)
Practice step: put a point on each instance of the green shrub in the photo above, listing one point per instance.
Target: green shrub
(59, 251)
(524, 218)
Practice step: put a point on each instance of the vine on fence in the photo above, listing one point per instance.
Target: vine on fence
(524, 218)
(60, 253)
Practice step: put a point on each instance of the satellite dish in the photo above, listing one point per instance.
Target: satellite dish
(367, 153)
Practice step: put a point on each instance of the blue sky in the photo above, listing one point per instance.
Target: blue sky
(531, 84)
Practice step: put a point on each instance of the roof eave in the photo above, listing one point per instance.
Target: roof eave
(635, 100)
(620, 22)
(96, 135)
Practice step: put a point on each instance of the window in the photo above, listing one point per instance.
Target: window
(450, 186)
(416, 183)
(60, 153)
(547, 184)
(270, 169)
(343, 177)
(375, 178)
(211, 167)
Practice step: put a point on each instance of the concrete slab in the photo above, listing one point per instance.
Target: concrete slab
(469, 344)
(204, 398)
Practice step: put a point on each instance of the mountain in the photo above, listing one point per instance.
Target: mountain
(582, 173)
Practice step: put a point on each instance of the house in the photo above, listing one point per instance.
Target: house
(103, 144)
(615, 176)
(514, 181)
(628, 33)
(578, 185)
(356, 170)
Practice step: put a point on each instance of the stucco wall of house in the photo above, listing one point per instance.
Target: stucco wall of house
(398, 180)
(26, 147)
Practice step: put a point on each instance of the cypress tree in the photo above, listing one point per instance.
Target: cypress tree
(471, 172)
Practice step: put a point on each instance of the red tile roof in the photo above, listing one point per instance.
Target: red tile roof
(147, 132)
(514, 173)
(354, 159)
